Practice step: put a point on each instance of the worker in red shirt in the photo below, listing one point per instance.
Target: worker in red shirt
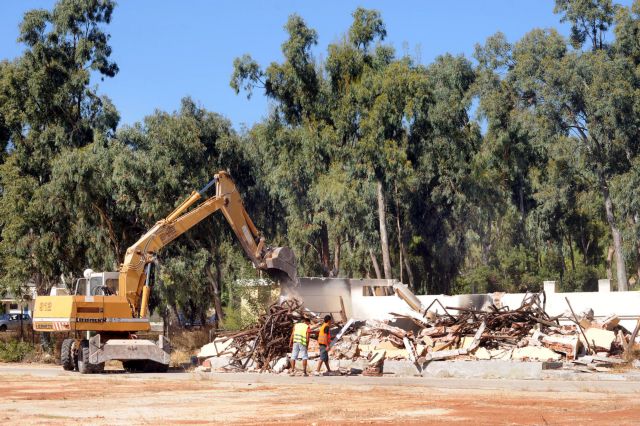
(324, 340)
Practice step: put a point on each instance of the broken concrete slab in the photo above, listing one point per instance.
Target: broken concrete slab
(610, 322)
(482, 353)
(410, 349)
(465, 343)
(375, 367)
(607, 359)
(568, 345)
(386, 345)
(378, 357)
(280, 365)
(216, 348)
(477, 337)
(602, 339)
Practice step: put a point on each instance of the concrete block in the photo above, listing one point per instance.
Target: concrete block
(483, 369)
(400, 368)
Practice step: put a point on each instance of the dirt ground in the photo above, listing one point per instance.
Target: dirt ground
(45, 395)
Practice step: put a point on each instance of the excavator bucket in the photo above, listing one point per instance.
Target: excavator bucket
(281, 265)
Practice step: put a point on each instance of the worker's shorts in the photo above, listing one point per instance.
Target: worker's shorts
(324, 355)
(299, 350)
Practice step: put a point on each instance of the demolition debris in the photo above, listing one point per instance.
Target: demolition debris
(526, 333)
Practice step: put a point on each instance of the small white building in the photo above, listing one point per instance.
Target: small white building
(13, 305)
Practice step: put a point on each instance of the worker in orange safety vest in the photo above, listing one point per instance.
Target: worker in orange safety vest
(324, 340)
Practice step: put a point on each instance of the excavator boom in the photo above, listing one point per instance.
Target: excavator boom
(279, 262)
(114, 316)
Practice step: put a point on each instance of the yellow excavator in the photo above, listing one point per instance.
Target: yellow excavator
(112, 306)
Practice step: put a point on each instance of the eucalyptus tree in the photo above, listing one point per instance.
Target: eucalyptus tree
(304, 145)
(48, 107)
(586, 95)
(626, 186)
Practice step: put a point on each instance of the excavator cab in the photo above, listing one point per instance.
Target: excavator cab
(97, 284)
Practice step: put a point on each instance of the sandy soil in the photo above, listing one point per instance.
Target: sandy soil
(63, 399)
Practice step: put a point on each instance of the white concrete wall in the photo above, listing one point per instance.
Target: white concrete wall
(625, 304)
(373, 307)
(323, 295)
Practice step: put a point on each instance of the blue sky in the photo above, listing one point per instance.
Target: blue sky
(170, 49)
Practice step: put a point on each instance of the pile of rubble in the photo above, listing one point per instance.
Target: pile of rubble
(263, 345)
(522, 334)
(525, 333)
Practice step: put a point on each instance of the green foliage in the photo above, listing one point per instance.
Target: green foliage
(235, 320)
(541, 184)
(15, 350)
(367, 26)
(589, 20)
(48, 107)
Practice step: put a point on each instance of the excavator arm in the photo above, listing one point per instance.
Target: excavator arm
(279, 262)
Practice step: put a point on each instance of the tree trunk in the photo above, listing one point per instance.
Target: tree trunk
(324, 250)
(636, 221)
(374, 262)
(174, 317)
(610, 252)
(336, 259)
(573, 258)
(621, 271)
(521, 200)
(583, 245)
(164, 313)
(399, 230)
(384, 240)
(638, 260)
(407, 266)
(217, 302)
(563, 266)
(485, 242)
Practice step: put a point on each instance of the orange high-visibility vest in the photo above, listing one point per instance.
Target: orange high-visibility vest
(300, 333)
(324, 337)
